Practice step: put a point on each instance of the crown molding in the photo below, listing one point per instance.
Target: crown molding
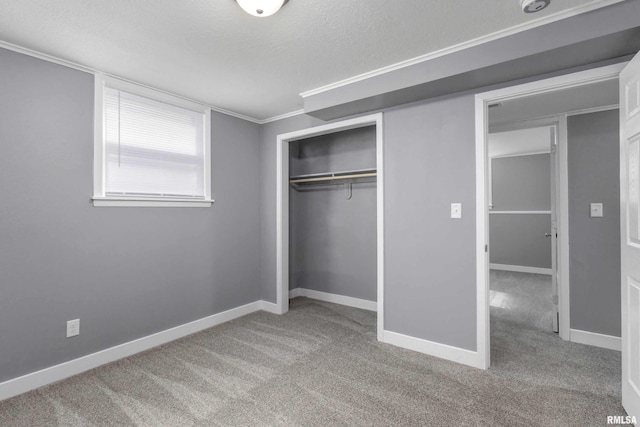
(45, 57)
(85, 69)
(592, 5)
(280, 117)
(568, 13)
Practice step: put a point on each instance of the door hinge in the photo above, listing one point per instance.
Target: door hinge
(486, 248)
(554, 149)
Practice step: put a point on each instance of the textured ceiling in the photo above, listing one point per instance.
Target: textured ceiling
(210, 50)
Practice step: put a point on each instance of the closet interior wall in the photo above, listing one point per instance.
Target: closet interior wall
(332, 238)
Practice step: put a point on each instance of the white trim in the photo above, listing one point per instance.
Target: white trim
(280, 117)
(83, 68)
(148, 92)
(562, 218)
(443, 351)
(482, 236)
(45, 57)
(519, 212)
(334, 298)
(70, 64)
(567, 13)
(234, 114)
(98, 137)
(282, 204)
(269, 307)
(525, 124)
(64, 370)
(295, 293)
(594, 110)
(150, 203)
(282, 223)
(520, 269)
(206, 154)
(481, 116)
(526, 153)
(99, 199)
(380, 225)
(597, 340)
(553, 84)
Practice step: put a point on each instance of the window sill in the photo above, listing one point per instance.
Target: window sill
(150, 203)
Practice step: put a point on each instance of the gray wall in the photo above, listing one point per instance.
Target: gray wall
(168, 266)
(518, 240)
(594, 176)
(430, 283)
(125, 272)
(340, 151)
(521, 183)
(332, 239)
(268, 159)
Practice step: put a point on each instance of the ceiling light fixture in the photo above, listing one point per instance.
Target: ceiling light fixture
(532, 6)
(261, 8)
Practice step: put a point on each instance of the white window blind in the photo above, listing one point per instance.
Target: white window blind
(151, 148)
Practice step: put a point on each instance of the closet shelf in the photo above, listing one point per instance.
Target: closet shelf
(333, 176)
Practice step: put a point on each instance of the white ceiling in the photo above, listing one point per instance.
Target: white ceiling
(210, 50)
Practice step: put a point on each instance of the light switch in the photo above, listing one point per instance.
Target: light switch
(596, 210)
(456, 210)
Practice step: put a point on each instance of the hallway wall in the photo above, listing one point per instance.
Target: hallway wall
(520, 184)
(594, 176)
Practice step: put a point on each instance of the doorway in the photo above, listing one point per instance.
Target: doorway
(522, 174)
(534, 92)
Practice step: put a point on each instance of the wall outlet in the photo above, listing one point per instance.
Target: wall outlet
(73, 328)
(456, 210)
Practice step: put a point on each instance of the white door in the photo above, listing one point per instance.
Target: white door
(553, 234)
(630, 233)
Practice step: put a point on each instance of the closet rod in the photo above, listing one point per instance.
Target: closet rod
(333, 178)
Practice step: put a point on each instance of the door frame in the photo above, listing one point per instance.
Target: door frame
(282, 206)
(482, 100)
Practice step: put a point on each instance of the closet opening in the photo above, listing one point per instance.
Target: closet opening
(330, 215)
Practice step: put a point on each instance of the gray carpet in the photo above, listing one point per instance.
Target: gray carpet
(320, 364)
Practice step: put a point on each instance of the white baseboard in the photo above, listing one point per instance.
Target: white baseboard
(295, 293)
(64, 370)
(521, 269)
(270, 307)
(597, 340)
(334, 298)
(443, 351)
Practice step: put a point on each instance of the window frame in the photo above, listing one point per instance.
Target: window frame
(99, 146)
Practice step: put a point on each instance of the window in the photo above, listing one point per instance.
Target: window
(151, 149)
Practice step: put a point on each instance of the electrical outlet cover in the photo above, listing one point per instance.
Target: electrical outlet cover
(73, 328)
